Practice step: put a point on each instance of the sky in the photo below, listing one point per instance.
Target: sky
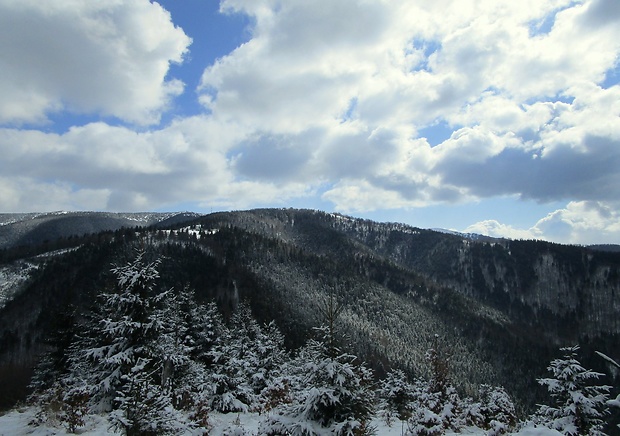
(488, 116)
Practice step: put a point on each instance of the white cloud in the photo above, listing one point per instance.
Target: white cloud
(361, 196)
(498, 230)
(102, 167)
(109, 58)
(580, 222)
(583, 222)
(321, 78)
(25, 194)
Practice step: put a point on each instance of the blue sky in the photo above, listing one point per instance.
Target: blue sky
(488, 116)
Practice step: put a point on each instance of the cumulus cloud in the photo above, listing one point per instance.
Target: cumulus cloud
(498, 230)
(583, 222)
(322, 80)
(580, 222)
(103, 167)
(107, 58)
(31, 195)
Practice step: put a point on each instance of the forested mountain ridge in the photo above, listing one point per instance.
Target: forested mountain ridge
(28, 229)
(399, 287)
(537, 282)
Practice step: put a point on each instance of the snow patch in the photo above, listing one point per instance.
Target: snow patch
(195, 231)
(12, 276)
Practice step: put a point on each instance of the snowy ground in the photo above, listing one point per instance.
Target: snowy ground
(15, 423)
(12, 276)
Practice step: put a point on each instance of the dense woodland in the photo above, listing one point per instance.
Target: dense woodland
(412, 306)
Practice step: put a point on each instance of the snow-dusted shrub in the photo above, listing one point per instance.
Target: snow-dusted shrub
(437, 406)
(75, 407)
(235, 429)
(333, 395)
(396, 397)
(246, 364)
(494, 411)
(578, 406)
(276, 393)
(435, 412)
(49, 406)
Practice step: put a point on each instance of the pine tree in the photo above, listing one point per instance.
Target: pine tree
(54, 363)
(331, 394)
(205, 331)
(437, 405)
(397, 396)
(194, 391)
(234, 362)
(127, 364)
(271, 357)
(426, 419)
(579, 406)
(494, 411)
(124, 331)
(181, 374)
(48, 384)
(187, 332)
(614, 402)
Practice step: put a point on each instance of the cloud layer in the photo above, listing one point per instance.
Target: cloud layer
(327, 100)
(109, 58)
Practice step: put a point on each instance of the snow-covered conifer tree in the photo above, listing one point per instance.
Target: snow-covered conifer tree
(205, 330)
(332, 394)
(614, 402)
(125, 328)
(127, 365)
(247, 364)
(181, 321)
(234, 363)
(426, 418)
(494, 411)
(269, 377)
(578, 406)
(437, 405)
(396, 397)
(194, 383)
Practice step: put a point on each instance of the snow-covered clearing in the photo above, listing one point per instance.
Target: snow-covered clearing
(15, 423)
(12, 276)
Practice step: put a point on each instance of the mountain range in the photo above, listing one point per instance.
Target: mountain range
(499, 308)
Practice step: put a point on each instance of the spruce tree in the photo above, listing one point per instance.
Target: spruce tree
(127, 365)
(332, 391)
(233, 363)
(397, 396)
(578, 406)
(438, 407)
(333, 395)
(494, 411)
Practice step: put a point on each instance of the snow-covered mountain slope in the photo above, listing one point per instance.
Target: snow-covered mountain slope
(35, 228)
(12, 277)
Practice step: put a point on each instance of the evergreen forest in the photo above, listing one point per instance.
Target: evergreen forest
(322, 323)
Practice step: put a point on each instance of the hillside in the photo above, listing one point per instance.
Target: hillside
(501, 308)
(30, 229)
